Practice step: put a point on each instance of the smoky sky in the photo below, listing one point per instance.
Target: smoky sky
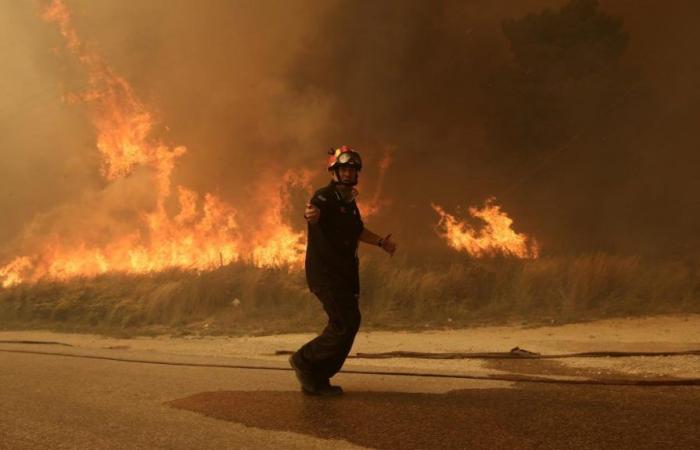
(578, 116)
(556, 111)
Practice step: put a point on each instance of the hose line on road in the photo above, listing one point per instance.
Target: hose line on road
(518, 353)
(499, 377)
(35, 342)
(515, 353)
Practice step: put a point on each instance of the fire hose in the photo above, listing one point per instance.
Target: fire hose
(519, 353)
(493, 377)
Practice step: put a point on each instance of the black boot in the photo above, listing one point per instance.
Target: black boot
(305, 377)
(326, 388)
(310, 385)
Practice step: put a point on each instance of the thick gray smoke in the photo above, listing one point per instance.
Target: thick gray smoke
(577, 116)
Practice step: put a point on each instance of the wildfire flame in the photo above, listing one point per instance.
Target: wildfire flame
(495, 237)
(203, 234)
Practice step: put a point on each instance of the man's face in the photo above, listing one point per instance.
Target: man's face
(347, 174)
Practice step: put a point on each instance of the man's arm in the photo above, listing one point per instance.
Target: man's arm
(372, 238)
(317, 203)
(312, 214)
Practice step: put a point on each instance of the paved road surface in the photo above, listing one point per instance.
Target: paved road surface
(59, 402)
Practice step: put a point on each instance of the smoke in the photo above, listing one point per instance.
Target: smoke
(237, 118)
(602, 160)
(556, 109)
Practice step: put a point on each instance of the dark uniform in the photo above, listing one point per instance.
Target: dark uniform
(332, 271)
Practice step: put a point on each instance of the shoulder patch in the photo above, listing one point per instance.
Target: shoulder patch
(321, 197)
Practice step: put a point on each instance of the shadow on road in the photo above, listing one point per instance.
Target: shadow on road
(528, 417)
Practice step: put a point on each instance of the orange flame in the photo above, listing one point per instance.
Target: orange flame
(276, 244)
(11, 273)
(202, 235)
(496, 236)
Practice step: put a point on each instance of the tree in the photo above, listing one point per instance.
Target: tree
(564, 77)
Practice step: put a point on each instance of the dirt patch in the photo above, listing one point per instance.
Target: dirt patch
(543, 417)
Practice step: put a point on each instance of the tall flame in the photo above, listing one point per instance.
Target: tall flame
(203, 234)
(276, 243)
(495, 237)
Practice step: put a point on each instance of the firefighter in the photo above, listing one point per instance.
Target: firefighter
(332, 271)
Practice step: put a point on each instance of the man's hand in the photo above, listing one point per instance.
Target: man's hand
(385, 243)
(388, 245)
(312, 214)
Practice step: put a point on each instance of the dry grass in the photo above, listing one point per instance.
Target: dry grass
(450, 291)
(561, 289)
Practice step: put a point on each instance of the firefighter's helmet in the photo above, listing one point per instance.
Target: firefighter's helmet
(344, 156)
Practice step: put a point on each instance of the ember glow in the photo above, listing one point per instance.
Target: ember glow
(495, 237)
(202, 234)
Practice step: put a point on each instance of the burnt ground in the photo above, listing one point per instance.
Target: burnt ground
(527, 417)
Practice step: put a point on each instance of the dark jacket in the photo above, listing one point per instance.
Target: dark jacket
(331, 250)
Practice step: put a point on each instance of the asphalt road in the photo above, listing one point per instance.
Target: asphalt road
(58, 402)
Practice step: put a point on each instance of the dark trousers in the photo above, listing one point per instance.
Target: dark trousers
(324, 355)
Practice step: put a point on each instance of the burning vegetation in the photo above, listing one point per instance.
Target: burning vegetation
(495, 237)
(544, 107)
(203, 232)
